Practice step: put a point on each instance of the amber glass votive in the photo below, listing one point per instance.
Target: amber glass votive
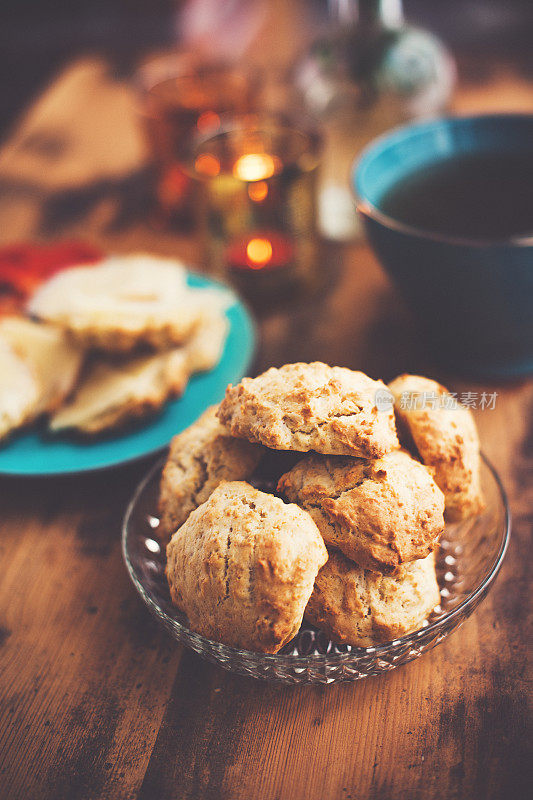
(179, 100)
(258, 187)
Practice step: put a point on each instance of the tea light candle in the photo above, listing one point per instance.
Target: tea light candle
(259, 205)
(260, 251)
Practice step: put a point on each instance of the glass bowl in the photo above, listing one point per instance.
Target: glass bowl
(470, 556)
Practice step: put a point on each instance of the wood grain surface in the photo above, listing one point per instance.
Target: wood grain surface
(96, 700)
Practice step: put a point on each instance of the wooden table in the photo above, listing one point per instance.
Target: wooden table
(96, 700)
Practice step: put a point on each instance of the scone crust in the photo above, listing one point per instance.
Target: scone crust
(446, 439)
(99, 333)
(313, 406)
(380, 513)
(362, 608)
(199, 459)
(242, 567)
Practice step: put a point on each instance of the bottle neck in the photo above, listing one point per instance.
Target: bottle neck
(375, 13)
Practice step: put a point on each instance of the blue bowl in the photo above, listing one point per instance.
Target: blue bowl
(472, 298)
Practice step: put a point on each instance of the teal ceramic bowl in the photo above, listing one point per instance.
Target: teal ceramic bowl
(473, 299)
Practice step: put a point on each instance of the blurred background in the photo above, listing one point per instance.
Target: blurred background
(38, 37)
(91, 142)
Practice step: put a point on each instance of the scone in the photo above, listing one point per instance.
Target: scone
(124, 302)
(54, 359)
(445, 438)
(242, 567)
(380, 513)
(19, 391)
(199, 459)
(358, 607)
(311, 407)
(115, 392)
(112, 395)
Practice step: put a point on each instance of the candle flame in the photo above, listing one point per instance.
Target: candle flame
(258, 191)
(255, 167)
(259, 252)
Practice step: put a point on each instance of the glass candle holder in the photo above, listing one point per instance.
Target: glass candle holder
(258, 181)
(180, 99)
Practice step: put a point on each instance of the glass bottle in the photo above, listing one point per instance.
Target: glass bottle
(369, 73)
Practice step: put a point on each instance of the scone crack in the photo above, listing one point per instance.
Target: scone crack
(251, 571)
(201, 479)
(308, 430)
(226, 565)
(252, 506)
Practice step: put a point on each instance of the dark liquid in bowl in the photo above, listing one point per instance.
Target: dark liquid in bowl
(480, 197)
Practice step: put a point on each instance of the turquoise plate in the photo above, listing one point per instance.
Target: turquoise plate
(35, 453)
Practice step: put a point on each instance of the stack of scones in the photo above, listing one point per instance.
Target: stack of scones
(348, 533)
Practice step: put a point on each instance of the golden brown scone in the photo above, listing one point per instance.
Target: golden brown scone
(381, 513)
(19, 390)
(199, 459)
(111, 395)
(445, 439)
(311, 407)
(124, 302)
(242, 567)
(115, 391)
(359, 607)
(53, 357)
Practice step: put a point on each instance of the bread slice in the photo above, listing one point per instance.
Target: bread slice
(53, 358)
(19, 391)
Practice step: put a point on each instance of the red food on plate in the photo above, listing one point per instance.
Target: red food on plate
(24, 266)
